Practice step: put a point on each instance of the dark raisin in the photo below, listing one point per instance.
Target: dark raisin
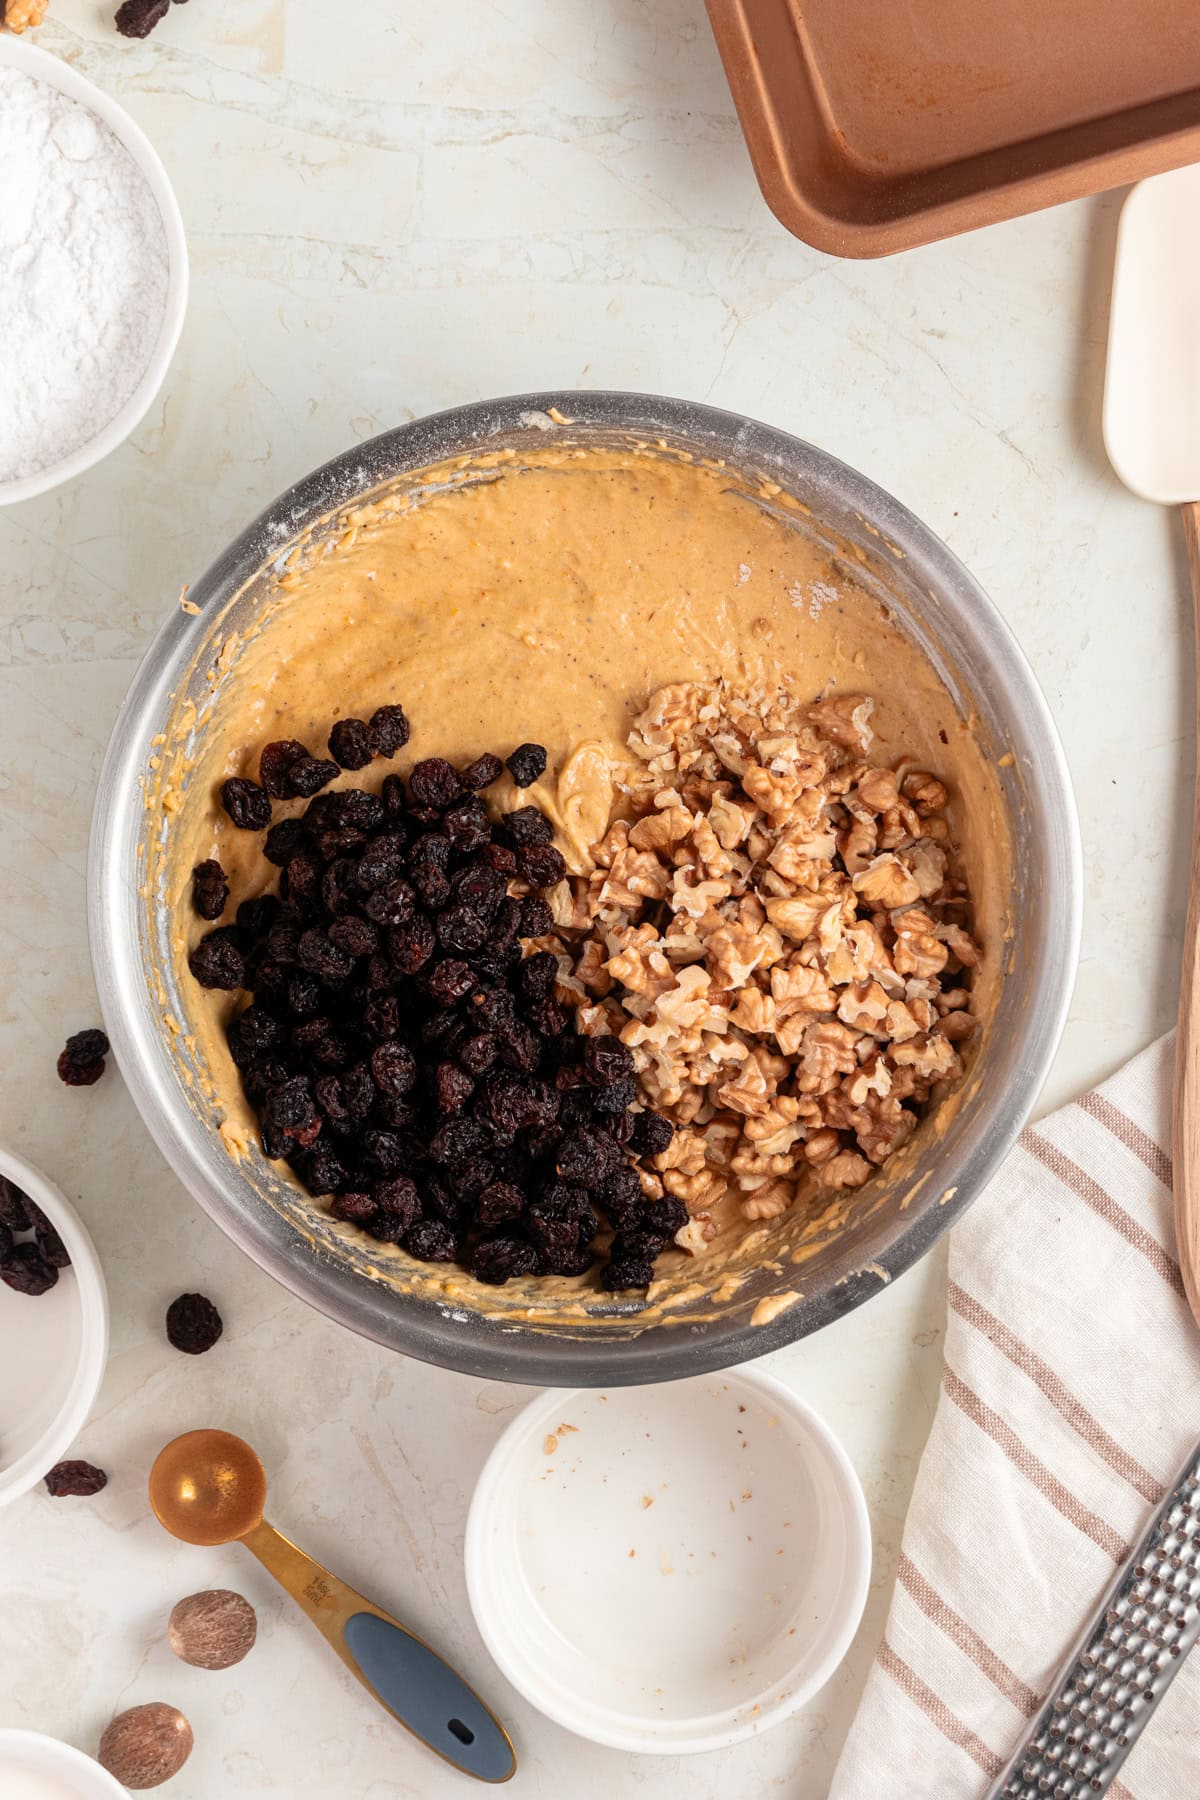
(322, 958)
(339, 886)
(210, 889)
(275, 766)
(305, 995)
(381, 862)
(193, 1324)
(452, 1087)
(137, 18)
(400, 1197)
(605, 1060)
(569, 1259)
(381, 1017)
(257, 915)
(479, 887)
(77, 1480)
(482, 772)
(358, 1092)
(384, 1153)
(309, 774)
(389, 730)
(468, 1179)
(356, 810)
(431, 1241)
(410, 946)
(527, 827)
(394, 904)
(622, 1198)
(353, 1207)
(26, 1271)
(500, 857)
(498, 1259)
(619, 1125)
(557, 1217)
(14, 1205)
(537, 975)
(550, 1018)
(666, 1216)
(81, 1060)
(536, 918)
(467, 826)
(626, 1272)
(387, 1228)
(542, 866)
(478, 1053)
(323, 1170)
(350, 744)
(521, 1048)
(393, 795)
(302, 878)
(651, 1133)
(449, 981)
(461, 930)
(526, 764)
(434, 783)
(248, 805)
(285, 839)
(616, 1097)
(283, 940)
(394, 1067)
(587, 1157)
(6, 1241)
(217, 961)
(357, 937)
(457, 1141)
(499, 1202)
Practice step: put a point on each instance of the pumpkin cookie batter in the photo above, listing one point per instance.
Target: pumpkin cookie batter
(548, 597)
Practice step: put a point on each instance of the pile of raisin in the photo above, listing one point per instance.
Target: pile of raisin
(405, 1055)
(31, 1251)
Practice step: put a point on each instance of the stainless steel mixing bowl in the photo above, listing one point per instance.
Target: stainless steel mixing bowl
(935, 600)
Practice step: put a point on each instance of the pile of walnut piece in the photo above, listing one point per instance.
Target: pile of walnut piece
(779, 934)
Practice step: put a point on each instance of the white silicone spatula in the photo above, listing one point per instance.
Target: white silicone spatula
(1152, 431)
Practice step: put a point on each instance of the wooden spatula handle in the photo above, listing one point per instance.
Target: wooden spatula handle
(1185, 1135)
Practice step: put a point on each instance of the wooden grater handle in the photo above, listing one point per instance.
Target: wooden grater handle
(1185, 1134)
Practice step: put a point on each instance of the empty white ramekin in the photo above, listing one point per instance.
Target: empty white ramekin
(53, 1347)
(672, 1568)
(16, 54)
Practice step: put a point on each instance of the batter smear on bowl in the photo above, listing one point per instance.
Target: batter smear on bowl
(748, 861)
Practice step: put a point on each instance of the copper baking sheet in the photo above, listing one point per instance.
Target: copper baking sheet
(875, 125)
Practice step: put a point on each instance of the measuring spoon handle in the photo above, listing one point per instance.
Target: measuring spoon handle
(407, 1678)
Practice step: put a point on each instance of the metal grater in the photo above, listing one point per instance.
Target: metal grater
(1128, 1656)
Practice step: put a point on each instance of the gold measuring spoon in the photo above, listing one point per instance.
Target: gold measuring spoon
(208, 1487)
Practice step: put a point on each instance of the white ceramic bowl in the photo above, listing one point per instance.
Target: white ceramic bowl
(669, 1569)
(52, 1348)
(16, 54)
(33, 1767)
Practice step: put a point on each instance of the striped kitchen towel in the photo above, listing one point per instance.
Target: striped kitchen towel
(1070, 1397)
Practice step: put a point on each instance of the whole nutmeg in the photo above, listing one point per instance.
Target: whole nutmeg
(145, 1746)
(213, 1630)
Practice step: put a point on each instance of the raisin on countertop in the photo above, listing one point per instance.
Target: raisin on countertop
(193, 1324)
(80, 1479)
(81, 1061)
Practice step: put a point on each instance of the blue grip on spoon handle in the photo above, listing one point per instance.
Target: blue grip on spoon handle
(426, 1695)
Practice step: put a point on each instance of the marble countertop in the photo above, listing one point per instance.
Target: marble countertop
(392, 210)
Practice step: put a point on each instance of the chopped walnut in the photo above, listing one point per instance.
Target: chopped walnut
(777, 929)
(19, 15)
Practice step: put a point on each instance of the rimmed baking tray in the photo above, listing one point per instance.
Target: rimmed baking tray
(876, 125)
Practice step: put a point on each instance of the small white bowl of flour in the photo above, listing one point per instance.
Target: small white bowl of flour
(93, 272)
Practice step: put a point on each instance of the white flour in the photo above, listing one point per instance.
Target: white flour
(83, 275)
